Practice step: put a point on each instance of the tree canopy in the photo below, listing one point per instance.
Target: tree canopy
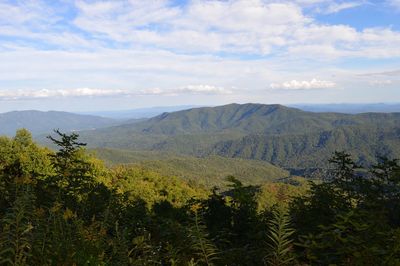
(67, 208)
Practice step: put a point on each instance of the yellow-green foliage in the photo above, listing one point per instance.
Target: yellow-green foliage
(23, 153)
(272, 194)
(209, 171)
(153, 187)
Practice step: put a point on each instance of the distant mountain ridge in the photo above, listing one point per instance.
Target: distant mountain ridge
(346, 108)
(350, 108)
(285, 136)
(252, 118)
(39, 122)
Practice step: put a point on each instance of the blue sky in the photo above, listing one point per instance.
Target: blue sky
(109, 55)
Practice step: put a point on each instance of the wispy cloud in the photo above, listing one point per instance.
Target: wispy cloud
(303, 85)
(202, 89)
(334, 7)
(165, 44)
(381, 83)
(394, 73)
(47, 93)
(30, 94)
(208, 27)
(190, 89)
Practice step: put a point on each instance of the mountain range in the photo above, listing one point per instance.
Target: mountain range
(287, 137)
(38, 122)
(347, 108)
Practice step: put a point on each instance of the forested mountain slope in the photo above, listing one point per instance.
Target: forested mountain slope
(209, 171)
(236, 118)
(38, 122)
(365, 143)
(252, 118)
(285, 136)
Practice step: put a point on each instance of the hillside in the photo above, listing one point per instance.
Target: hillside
(209, 171)
(284, 136)
(248, 119)
(239, 118)
(365, 143)
(39, 122)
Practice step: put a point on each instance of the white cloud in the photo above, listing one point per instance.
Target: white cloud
(381, 83)
(58, 93)
(311, 2)
(190, 89)
(202, 26)
(25, 12)
(240, 26)
(154, 44)
(394, 73)
(204, 89)
(278, 28)
(337, 7)
(303, 85)
(7, 95)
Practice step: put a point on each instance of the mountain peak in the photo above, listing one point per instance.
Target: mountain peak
(248, 117)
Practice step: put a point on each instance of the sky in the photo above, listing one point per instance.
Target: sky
(81, 55)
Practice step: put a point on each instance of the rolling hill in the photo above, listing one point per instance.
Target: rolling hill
(285, 136)
(364, 143)
(38, 122)
(209, 171)
(249, 119)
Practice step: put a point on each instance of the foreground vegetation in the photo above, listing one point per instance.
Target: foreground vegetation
(67, 208)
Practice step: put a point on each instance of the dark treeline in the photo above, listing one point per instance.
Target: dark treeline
(66, 208)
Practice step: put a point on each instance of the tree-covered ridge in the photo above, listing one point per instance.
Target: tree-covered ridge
(284, 136)
(254, 118)
(38, 122)
(365, 143)
(67, 208)
(209, 171)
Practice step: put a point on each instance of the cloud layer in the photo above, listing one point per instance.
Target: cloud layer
(236, 26)
(235, 46)
(304, 85)
(7, 95)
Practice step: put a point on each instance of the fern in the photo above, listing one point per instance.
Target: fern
(15, 243)
(41, 243)
(142, 252)
(279, 236)
(204, 248)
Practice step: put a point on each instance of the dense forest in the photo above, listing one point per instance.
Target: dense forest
(287, 137)
(209, 171)
(66, 207)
